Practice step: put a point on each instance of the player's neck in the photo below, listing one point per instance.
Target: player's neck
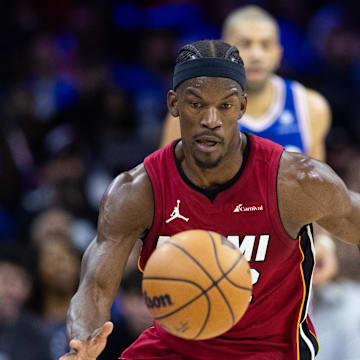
(259, 100)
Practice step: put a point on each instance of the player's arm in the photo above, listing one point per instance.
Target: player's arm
(171, 130)
(126, 212)
(346, 226)
(309, 190)
(320, 121)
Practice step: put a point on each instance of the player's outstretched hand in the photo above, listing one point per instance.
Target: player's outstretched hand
(91, 348)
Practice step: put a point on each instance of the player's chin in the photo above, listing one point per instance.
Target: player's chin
(208, 161)
(256, 83)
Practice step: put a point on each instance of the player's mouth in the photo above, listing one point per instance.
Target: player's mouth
(255, 73)
(207, 143)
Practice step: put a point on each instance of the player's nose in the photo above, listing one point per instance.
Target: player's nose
(256, 53)
(211, 119)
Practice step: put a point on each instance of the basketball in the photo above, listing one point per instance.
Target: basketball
(197, 284)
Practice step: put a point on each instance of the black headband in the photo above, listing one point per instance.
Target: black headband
(212, 67)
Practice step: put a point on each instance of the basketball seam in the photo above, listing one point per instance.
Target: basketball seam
(224, 275)
(231, 268)
(214, 282)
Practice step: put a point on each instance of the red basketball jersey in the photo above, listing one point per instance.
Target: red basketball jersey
(245, 210)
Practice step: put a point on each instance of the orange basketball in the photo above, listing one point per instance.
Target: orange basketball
(197, 284)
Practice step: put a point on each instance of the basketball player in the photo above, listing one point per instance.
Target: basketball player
(207, 177)
(278, 109)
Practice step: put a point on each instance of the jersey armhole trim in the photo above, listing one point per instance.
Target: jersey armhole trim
(153, 191)
(158, 208)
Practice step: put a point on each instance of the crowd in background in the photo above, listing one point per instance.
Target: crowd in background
(83, 97)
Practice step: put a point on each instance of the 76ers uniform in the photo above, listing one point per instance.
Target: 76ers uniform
(276, 325)
(287, 120)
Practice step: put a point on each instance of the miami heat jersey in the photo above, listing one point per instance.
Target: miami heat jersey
(287, 120)
(275, 326)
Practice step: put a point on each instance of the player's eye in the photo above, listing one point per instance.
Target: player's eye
(243, 43)
(267, 44)
(195, 105)
(226, 106)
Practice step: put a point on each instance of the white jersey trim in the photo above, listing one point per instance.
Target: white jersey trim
(308, 342)
(276, 107)
(302, 111)
(312, 244)
(302, 333)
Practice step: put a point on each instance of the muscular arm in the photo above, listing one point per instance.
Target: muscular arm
(171, 130)
(346, 227)
(320, 121)
(309, 190)
(126, 212)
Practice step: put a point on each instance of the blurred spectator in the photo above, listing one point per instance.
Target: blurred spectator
(59, 271)
(10, 189)
(52, 222)
(65, 174)
(59, 222)
(335, 311)
(21, 336)
(348, 256)
(58, 277)
(52, 89)
(63, 184)
(135, 319)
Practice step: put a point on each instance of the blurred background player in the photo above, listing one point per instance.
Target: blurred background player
(278, 109)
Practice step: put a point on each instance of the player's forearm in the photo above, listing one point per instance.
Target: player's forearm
(88, 311)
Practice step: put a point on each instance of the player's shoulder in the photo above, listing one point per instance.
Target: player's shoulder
(131, 189)
(308, 190)
(312, 178)
(305, 168)
(127, 204)
(135, 179)
(317, 102)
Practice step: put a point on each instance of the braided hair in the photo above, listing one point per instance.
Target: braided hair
(208, 49)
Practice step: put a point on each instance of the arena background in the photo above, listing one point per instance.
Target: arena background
(83, 97)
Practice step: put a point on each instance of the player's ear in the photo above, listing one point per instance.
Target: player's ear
(243, 104)
(172, 103)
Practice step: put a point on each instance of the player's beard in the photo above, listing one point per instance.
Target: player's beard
(208, 164)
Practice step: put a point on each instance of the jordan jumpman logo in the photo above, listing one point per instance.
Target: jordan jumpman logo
(176, 214)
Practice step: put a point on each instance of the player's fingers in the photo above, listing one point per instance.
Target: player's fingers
(105, 331)
(76, 345)
(69, 356)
